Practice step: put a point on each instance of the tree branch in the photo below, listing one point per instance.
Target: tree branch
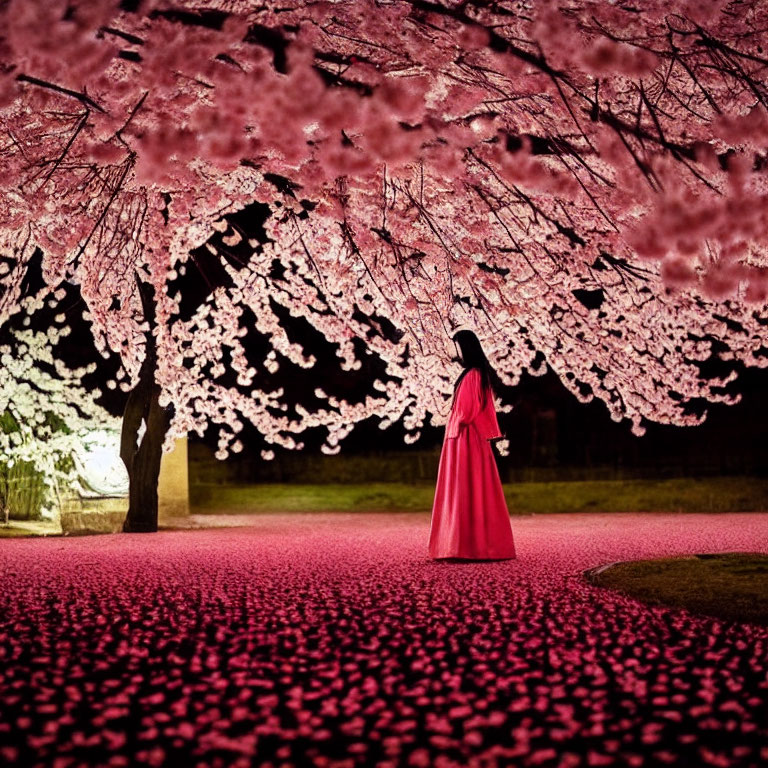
(83, 97)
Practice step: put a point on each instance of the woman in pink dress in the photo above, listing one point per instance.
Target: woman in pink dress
(470, 518)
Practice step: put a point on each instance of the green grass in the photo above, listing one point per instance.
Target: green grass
(14, 533)
(373, 497)
(20, 528)
(719, 494)
(713, 494)
(730, 586)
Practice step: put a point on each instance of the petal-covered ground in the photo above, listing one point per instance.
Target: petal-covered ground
(331, 639)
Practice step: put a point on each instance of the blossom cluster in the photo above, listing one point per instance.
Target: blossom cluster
(51, 412)
(426, 165)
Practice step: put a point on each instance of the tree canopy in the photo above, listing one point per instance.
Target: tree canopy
(581, 182)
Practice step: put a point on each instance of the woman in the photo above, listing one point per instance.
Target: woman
(470, 518)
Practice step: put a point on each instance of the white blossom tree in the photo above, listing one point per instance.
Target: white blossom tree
(47, 414)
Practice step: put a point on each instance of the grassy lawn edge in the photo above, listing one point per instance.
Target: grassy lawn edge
(732, 586)
(716, 494)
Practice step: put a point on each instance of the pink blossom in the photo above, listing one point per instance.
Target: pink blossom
(472, 37)
(677, 272)
(606, 57)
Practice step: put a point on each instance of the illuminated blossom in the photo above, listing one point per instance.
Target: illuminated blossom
(461, 163)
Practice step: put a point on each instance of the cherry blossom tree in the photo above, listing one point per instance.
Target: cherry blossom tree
(581, 182)
(47, 413)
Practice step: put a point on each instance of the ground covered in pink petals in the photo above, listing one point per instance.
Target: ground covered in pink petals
(333, 640)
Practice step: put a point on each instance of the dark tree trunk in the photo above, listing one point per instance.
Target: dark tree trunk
(144, 463)
(142, 459)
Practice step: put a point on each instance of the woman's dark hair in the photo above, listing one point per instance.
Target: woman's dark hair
(472, 356)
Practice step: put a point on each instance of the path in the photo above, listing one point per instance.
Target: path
(330, 639)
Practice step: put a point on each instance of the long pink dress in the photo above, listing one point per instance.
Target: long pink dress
(470, 518)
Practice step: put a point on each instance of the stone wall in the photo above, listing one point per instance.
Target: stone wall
(173, 485)
(92, 515)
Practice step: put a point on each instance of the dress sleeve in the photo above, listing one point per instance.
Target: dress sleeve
(468, 398)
